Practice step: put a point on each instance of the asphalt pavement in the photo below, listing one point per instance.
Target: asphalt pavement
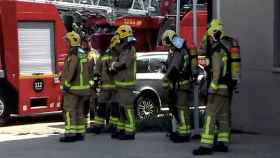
(37, 137)
(146, 145)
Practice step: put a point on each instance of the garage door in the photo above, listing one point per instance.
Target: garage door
(36, 48)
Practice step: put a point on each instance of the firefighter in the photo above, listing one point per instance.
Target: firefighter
(93, 57)
(181, 70)
(76, 88)
(223, 78)
(125, 79)
(106, 100)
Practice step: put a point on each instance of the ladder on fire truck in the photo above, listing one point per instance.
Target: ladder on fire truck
(138, 7)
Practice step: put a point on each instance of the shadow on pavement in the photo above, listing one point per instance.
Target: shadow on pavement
(34, 119)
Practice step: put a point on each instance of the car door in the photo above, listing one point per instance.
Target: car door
(156, 68)
(149, 75)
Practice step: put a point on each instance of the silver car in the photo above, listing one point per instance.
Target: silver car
(151, 97)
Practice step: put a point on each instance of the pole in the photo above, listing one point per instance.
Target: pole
(195, 23)
(218, 9)
(196, 131)
(178, 17)
(174, 122)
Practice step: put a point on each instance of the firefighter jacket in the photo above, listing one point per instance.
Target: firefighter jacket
(77, 72)
(103, 69)
(224, 67)
(181, 68)
(125, 66)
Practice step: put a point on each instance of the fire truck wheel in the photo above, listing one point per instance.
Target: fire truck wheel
(4, 112)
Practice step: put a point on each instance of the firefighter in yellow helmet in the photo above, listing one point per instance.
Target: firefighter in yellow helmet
(75, 86)
(181, 70)
(107, 97)
(93, 57)
(223, 53)
(124, 67)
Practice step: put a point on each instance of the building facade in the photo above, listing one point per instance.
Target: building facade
(256, 24)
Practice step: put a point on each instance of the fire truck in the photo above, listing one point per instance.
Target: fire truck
(149, 29)
(32, 51)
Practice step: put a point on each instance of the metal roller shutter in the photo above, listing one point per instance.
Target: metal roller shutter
(36, 48)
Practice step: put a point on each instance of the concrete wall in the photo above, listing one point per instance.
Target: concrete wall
(256, 24)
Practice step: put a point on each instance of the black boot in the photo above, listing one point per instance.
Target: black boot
(220, 147)
(80, 137)
(113, 129)
(177, 138)
(67, 139)
(95, 130)
(115, 133)
(202, 151)
(88, 130)
(124, 136)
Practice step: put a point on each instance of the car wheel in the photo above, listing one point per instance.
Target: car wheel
(4, 112)
(146, 108)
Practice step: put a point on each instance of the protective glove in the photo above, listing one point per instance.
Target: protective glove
(91, 84)
(112, 67)
(96, 80)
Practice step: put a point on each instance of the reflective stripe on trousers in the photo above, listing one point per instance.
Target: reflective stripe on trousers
(71, 128)
(182, 128)
(130, 123)
(99, 121)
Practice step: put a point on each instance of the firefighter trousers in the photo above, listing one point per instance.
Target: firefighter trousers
(180, 111)
(74, 113)
(90, 106)
(126, 121)
(106, 104)
(217, 117)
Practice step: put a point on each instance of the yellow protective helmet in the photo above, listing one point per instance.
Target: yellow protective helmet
(215, 26)
(167, 37)
(115, 40)
(74, 39)
(124, 31)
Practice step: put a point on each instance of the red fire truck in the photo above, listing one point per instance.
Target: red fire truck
(148, 29)
(31, 55)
